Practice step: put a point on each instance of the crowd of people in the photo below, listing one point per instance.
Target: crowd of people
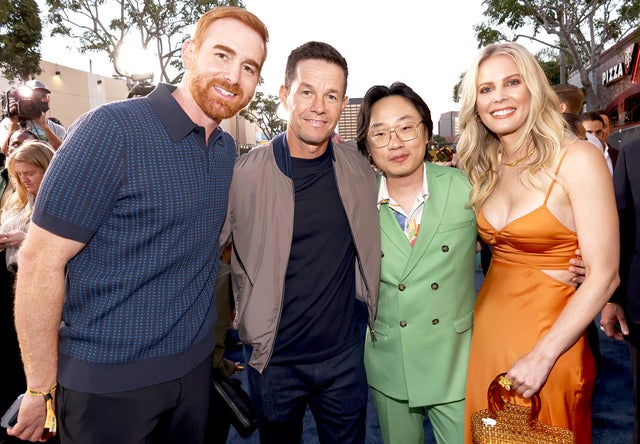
(27, 147)
(349, 266)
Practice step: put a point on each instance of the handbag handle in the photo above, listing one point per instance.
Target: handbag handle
(496, 401)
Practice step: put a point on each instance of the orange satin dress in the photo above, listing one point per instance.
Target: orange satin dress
(517, 304)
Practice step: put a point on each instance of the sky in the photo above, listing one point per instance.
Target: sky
(425, 44)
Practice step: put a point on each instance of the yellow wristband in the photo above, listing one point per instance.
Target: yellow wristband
(48, 392)
(50, 421)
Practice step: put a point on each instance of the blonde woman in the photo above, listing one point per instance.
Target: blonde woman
(537, 191)
(26, 166)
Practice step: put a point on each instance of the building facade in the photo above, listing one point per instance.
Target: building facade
(74, 92)
(617, 80)
(348, 123)
(448, 126)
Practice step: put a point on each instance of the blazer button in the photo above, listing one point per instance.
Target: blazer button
(435, 321)
(381, 254)
(403, 324)
(402, 287)
(445, 248)
(435, 286)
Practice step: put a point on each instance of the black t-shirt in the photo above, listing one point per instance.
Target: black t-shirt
(319, 318)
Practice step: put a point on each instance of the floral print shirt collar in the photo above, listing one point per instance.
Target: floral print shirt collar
(409, 223)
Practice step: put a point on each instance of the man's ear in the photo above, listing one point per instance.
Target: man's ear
(345, 102)
(283, 94)
(188, 53)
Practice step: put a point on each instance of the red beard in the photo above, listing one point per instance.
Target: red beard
(214, 106)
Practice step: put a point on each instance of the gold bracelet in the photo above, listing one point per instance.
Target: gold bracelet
(50, 421)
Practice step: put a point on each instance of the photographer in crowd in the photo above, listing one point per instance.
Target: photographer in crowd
(33, 117)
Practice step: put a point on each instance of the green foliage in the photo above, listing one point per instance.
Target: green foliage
(20, 37)
(263, 112)
(159, 25)
(550, 64)
(552, 70)
(576, 30)
(457, 89)
(439, 140)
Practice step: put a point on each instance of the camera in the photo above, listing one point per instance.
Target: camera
(27, 103)
(10, 418)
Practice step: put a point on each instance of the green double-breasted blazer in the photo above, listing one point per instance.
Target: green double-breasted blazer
(427, 295)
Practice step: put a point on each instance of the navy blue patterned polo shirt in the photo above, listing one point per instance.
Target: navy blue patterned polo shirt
(137, 183)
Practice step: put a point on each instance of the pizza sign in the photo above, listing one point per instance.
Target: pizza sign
(623, 67)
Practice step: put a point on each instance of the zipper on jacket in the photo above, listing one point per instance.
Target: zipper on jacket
(370, 322)
(275, 336)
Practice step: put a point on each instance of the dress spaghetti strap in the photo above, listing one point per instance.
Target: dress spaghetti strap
(553, 180)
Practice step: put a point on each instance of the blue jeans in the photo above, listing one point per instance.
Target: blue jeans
(335, 391)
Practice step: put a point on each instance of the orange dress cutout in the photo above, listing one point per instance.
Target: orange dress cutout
(517, 304)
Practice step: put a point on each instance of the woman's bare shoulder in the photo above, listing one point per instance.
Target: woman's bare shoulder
(582, 158)
(580, 151)
(582, 147)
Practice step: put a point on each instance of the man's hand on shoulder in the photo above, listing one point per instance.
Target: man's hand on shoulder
(576, 266)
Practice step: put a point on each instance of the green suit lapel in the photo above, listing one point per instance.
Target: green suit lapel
(392, 231)
(431, 216)
(431, 219)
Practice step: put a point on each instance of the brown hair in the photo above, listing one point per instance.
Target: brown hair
(574, 124)
(314, 51)
(570, 95)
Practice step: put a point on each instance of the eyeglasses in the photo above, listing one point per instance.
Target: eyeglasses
(405, 131)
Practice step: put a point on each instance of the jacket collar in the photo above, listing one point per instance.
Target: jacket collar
(283, 155)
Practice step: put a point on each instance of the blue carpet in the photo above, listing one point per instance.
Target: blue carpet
(612, 405)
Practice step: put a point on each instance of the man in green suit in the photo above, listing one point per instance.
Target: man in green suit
(418, 362)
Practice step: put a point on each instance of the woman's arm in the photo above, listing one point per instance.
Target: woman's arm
(590, 190)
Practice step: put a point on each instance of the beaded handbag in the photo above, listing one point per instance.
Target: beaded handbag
(505, 423)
